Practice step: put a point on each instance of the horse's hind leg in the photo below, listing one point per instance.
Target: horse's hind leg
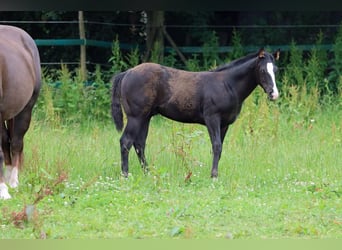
(3, 187)
(11, 155)
(140, 142)
(6, 148)
(135, 133)
(126, 141)
(18, 127)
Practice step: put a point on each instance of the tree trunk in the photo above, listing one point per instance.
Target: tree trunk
(83, 68)
(155, 36)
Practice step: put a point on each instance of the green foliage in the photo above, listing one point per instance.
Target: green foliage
(238, 50)
(156, 54)
(132, 58)
(170, 60)
(97, 95)
(316, 65)
(210, 52)
(68, 99)
(118, 64)
(44, 108)
(193, 64)
(295, 66)
(337, 49)
(334, 78)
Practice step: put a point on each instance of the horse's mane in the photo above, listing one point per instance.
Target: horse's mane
(235, 62)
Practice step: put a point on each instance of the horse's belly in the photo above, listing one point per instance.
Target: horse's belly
(173, 112)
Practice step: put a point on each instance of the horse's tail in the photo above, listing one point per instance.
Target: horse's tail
(116, 101)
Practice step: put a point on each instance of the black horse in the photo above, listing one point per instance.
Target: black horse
(212, 98)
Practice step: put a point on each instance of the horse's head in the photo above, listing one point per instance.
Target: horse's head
(265, 71)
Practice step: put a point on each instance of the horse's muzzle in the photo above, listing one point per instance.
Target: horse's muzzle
(273, 95)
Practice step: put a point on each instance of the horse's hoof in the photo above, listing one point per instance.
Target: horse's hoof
(146, 171)
(124, 174)
(214, 175)
(4, 195)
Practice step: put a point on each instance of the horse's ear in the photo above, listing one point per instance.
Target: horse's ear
(261, 53)
(277, 55)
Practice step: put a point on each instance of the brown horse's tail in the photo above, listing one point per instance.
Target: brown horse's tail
(116, 101)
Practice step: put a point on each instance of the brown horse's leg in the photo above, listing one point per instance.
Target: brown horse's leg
(18, 126)
(213, 125)
(3, 188)
(6, 148)
(140, 143)
(12, 165)
(6, 144)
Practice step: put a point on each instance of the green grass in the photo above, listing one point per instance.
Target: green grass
(279, 177)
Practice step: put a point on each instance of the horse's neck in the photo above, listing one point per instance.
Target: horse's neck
(243, 80)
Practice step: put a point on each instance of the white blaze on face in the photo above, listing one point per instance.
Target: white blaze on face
(275, 93)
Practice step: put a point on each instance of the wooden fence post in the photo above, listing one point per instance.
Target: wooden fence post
(82, 47)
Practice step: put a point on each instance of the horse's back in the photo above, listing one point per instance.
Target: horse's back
(151, 88)
(11, 36)
(20, 71)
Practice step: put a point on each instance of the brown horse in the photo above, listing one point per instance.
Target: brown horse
(212, 98)
(20, 81)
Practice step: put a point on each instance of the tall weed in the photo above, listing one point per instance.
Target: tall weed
(335, 74)
(238, 50)
(156, 54)
(45, 108)
(295, 66)
(68, 95)
(97, 98)
(118, 64)
(210, 52)
(193, 64)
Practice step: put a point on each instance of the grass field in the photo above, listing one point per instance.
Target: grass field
(279, 177)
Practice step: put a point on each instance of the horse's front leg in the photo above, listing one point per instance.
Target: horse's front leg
(213, 125)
